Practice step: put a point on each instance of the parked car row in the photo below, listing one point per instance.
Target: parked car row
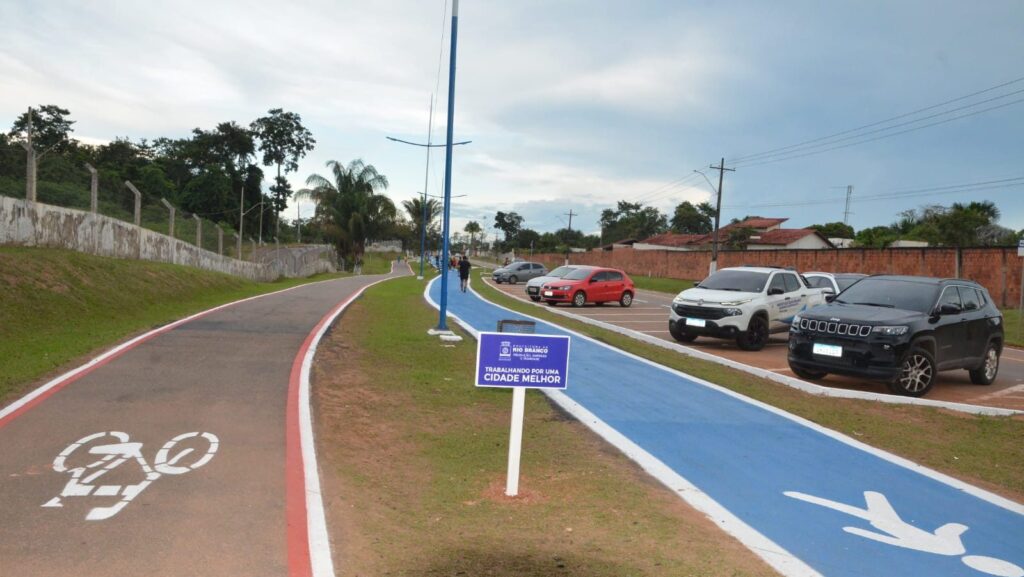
(576, 284)
(898, 329)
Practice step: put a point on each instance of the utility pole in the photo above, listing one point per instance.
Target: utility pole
(442, 323)
(846, 213)
(718, 211)
(30, 162)
(570, 214)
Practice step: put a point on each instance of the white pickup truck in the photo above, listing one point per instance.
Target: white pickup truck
(743, 303)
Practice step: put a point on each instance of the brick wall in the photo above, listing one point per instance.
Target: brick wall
(998, 269)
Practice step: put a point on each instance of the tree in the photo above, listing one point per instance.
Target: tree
(414, 208)
(509, 223)
(834, 230)
(473, 228)
(51, 129)
(738, 237)
(632, 220)
(527, 238)
(283, 141)
(957, 225)
(348, 207)
(690, 219)
(876, 237)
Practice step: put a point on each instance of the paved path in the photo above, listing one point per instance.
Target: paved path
(810, 501)
(127, 497)
(649, 315)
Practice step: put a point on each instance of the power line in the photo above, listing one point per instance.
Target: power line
(909, 193)
(873, 124)
(943, 121)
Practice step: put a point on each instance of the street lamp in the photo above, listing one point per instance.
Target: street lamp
(423, 226)
(718, 211)
(426, 178)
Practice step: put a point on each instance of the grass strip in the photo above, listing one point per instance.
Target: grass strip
(985, 451)
(663, 285)
(1013, 325)
(414, 464)
(59, 305)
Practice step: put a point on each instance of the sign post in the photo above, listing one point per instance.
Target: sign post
(520, 362)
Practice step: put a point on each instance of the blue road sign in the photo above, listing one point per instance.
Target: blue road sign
(518, 360)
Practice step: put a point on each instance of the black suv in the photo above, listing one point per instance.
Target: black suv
(900, 329)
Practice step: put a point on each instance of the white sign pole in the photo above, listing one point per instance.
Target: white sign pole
(515, 441)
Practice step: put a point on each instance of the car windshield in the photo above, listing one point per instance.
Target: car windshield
(561, 271)
(891, 293)
(577, 274)
(735, 280)
(844, 282)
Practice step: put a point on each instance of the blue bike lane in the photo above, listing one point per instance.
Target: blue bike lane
(808, 500)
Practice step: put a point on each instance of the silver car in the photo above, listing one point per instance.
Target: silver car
(533, 286)
(518, 271)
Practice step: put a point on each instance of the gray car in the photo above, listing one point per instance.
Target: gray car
(518, 271)
(533, 286)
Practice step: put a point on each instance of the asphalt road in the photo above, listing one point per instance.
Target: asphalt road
(649, 315)
(218, 385)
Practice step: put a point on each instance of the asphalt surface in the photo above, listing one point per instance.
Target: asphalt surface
(217, 510)
(649, 315)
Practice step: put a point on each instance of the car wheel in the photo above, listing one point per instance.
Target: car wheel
(916, 375)
(805, 374)
(535, 299)
(513, 279)
(756, 335)
(579, 299)
(681, 336)
(986, 373)
(626, 299)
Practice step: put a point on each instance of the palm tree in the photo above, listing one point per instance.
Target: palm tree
(473, 228)
(348, 206)
(414, 208)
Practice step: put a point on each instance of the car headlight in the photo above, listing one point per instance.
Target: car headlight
(891, 331)
(795, 325)
(736, 303)
(564, 288)
(733, 312)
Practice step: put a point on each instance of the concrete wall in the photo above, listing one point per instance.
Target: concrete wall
(24, 223)
(997, 269)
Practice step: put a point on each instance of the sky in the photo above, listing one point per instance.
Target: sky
(570, 105)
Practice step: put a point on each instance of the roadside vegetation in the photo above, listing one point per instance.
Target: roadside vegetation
(1013, 325)
(985, 451)
(57, 305)
(414, 462)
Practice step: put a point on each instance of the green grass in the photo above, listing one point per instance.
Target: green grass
(983, 450)
(59, 305)
(378, 262)
(662, 285)
(1013, 326)
(415, 462)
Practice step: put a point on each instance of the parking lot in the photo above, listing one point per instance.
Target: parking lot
(649, 315)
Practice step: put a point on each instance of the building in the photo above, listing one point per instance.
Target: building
(766, 234)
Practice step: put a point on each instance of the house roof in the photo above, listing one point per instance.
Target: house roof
(785, 236)
(756, 222)
(673, 239)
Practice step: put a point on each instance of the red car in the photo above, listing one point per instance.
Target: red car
(590, 284)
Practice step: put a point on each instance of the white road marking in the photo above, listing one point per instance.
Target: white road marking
(113, 456)
(892, 530)
(1007, 391)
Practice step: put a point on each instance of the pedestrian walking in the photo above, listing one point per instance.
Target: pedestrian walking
(464, 267)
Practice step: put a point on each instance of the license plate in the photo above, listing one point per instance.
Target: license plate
(827, 350)
(696, 323)
(549, 294)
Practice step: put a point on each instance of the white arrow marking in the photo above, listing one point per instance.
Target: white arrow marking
(893, 531)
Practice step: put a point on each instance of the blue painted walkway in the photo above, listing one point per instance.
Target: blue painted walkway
(745, 457)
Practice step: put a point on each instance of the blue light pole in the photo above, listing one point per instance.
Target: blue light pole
(442, 323)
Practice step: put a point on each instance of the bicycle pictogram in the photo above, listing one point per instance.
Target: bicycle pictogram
(84, 477)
